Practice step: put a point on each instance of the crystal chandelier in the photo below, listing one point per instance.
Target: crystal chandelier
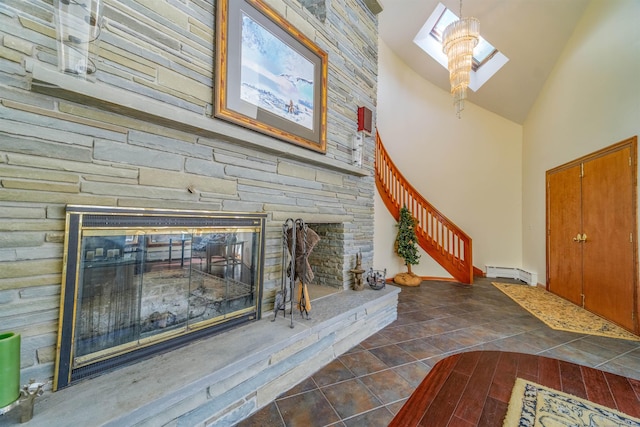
(458, 41)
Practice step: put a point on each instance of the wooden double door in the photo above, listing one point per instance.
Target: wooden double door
(592, 233)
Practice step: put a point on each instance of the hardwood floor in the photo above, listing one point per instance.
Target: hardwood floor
(473, 388)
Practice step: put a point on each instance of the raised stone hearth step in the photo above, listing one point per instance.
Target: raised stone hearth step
(222, 379)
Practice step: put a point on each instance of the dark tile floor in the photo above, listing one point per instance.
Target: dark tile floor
(368, 385)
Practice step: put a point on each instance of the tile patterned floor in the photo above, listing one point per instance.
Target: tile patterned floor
(367, 385)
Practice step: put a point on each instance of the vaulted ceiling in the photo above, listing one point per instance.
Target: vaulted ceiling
(531, 33)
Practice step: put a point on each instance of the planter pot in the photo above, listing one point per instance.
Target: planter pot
(9, 368)
(407, 279)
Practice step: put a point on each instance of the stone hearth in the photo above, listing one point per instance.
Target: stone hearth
(215, 381)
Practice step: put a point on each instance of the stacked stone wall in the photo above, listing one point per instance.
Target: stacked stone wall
(61, 144)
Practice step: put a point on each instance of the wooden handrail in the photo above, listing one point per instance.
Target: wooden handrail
(444, 241)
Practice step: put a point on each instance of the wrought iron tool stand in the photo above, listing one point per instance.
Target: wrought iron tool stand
(285, 295)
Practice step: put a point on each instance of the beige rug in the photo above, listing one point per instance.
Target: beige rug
(561, 314)
(533, 405)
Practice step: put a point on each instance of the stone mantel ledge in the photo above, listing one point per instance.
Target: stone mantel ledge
(49, 81)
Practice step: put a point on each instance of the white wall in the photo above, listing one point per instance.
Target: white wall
(469, 168)
(591, 100)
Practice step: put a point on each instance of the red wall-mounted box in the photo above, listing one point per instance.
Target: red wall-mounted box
(364, 120)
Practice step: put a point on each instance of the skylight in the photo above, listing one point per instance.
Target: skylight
(487, 60)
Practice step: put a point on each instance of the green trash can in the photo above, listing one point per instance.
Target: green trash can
(9, 368)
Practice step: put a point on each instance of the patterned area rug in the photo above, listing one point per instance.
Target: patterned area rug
(533, 405)
(561, 314)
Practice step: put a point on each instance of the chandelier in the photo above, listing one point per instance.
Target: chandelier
(458, 40)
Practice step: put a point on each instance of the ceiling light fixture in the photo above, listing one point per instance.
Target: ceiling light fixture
(458, 41)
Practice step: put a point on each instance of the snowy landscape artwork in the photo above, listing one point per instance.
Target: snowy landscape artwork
(275, 77)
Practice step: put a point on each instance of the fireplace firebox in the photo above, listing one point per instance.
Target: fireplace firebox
(137, 282)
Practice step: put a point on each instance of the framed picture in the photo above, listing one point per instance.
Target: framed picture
(269, 77)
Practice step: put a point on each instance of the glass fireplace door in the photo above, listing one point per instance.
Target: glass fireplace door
(137, 282)
(136, 288)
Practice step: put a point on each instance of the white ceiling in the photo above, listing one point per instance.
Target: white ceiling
(531, 33)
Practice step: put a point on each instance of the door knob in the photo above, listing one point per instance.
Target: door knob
(580, 238)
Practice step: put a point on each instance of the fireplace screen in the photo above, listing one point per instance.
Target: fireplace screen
(137, 282)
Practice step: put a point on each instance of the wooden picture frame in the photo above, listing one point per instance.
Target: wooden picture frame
(269, 76)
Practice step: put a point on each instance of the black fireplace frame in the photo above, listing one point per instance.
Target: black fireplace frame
(96, 217)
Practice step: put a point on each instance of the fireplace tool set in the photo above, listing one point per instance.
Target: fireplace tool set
(298, 243)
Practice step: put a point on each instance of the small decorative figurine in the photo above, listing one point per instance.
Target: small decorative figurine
(358, 283)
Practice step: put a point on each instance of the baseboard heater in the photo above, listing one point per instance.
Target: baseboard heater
(512, 273)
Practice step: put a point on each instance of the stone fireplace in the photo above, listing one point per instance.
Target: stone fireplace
(143, 135)
(138, 282)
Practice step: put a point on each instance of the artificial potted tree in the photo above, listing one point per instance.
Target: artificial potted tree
(406, 248)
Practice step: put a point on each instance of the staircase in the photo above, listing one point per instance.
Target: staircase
(437, 235)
